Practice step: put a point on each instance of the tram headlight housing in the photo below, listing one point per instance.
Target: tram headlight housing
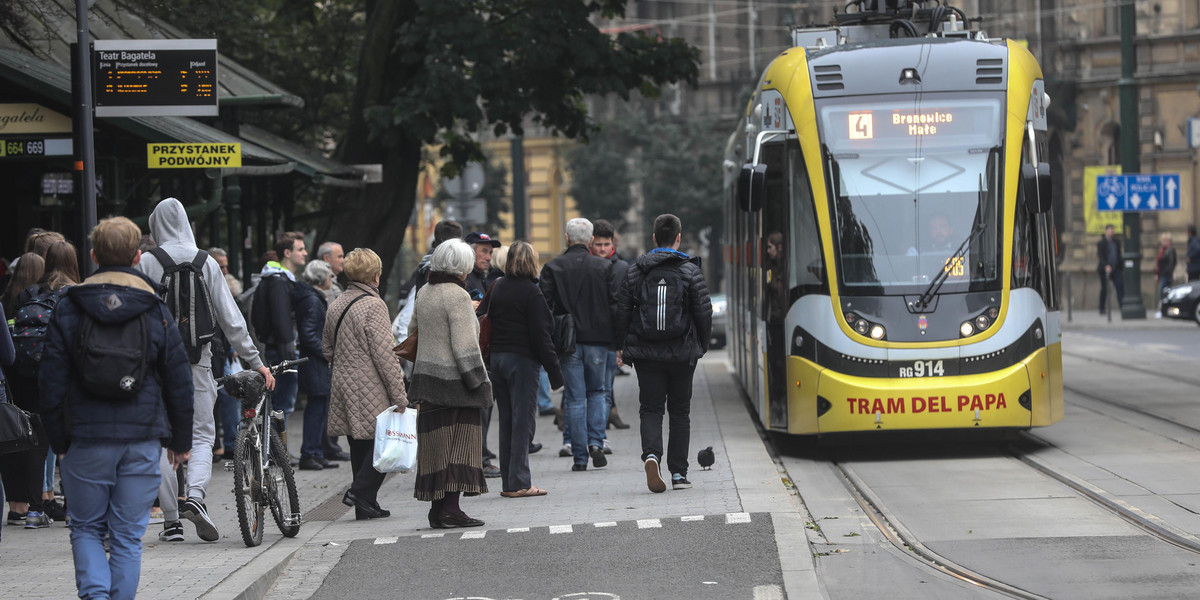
(865, 327)
(980, 322)
(862, 326)
(878, 332)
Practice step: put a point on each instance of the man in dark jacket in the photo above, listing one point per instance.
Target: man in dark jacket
(110, 448)
(481, 277)
(579, 284)
(1110, 266)
(604, 245)
(663, 336)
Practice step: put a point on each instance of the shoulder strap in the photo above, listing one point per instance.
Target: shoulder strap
(198, 262)
(344, 311)
(164, 259)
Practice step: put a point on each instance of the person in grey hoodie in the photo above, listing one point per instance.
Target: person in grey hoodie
(171, 230)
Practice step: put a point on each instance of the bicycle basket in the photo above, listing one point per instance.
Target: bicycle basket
(246, 386)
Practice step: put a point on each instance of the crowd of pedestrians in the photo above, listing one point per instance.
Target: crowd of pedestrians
(180, 320)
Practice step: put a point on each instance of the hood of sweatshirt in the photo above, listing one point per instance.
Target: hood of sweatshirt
(169, 224)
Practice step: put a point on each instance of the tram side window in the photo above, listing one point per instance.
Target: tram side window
(807, 266)
(1027, 268)
(776, 254)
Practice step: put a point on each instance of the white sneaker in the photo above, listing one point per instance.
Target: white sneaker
(607, 448)
(565, 451)
(654, 479)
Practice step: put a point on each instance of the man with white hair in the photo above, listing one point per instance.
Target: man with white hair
(331, 252)
(580, 284)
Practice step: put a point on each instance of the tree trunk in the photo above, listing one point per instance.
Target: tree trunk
(377, 217)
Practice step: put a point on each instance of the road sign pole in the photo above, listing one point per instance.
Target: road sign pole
(86, 163)
(1131, 305)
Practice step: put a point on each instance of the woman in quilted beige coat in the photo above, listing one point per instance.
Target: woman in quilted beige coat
(366, 378)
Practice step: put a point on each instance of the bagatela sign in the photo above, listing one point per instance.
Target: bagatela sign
(193, 156)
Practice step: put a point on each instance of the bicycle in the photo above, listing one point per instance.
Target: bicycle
(262, 469)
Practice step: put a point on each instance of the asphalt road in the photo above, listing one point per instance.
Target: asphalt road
(713, 558)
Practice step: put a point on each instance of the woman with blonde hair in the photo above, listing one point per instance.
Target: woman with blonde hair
(365, 377)
(521, 343)
(451, 385)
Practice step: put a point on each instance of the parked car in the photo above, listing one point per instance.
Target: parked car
(719, 318)
(1182, 302)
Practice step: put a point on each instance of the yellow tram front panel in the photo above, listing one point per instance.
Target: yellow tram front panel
(990, 399)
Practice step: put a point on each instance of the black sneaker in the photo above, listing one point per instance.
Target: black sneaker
(56, 511)
(172, 532)
(563, 452)
(598, 458)
(679, 482)
(194, 510)
(310, 463)
(582, 467)
(16, 518)
(490, 470)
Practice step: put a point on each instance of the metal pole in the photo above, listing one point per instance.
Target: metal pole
(520, 204)
(87, 154)
(1131, 304)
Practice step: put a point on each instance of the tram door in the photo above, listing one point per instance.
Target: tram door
(774, 255)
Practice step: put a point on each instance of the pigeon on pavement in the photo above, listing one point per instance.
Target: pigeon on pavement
(706, 458)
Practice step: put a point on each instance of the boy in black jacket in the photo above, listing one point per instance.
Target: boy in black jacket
(110, 444)
(662, 325)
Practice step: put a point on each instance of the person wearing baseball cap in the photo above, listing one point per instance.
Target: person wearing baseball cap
(478, 281)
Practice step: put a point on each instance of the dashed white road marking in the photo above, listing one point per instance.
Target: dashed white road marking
(386, 540)
(737, 518)
(607, 524)
(649, 523)
(518, 530)
(560, 529)
(693, 518)
(432, 535)
(473, 535)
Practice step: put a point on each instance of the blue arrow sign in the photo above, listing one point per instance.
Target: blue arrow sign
(1139, 193)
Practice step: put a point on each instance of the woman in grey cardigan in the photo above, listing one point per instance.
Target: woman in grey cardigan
(451, 385)
(366, 378)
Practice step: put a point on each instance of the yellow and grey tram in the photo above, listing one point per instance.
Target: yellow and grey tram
(888, 232)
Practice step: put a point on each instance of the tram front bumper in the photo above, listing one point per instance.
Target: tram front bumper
(843, 403)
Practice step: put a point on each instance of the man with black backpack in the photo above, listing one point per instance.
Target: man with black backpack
(662, 324)
(200, 300)
(115, 389)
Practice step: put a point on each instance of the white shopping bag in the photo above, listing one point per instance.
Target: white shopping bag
(396, 440)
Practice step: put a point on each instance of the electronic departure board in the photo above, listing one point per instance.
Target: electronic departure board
(139, 78)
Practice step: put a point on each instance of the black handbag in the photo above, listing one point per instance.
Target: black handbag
(16, 428)
(564, 334)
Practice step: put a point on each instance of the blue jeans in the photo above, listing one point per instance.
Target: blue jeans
(316, 415)
(585, 406)
(48, 472)
(112, 487)
(229, 411)
(610, 377)
(286, 386)
(543, 395)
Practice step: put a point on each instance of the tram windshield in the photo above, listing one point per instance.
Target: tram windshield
(910, 178)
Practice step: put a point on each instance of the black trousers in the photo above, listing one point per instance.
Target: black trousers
(366, 479)
(666, 385)
(515, 385)
(23, 472)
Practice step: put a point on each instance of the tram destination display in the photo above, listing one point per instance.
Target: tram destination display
(140, 78)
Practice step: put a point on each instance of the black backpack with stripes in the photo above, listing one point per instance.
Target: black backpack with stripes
(187, 296)
(663, 308)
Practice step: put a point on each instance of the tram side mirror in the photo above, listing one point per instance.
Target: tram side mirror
(752, 186)
(1035, 182)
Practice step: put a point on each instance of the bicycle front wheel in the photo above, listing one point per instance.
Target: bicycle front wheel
(247, 488)
(284, 498)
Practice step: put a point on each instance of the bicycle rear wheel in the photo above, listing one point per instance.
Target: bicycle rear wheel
(247, 488)
(284, 498)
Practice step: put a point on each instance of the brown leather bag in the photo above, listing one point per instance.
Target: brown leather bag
(408, 348)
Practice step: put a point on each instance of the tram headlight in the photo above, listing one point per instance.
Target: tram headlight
(981, 322)
(851, 318)
(993, 312)
(877, 332)
(862, 326)
(966, 329)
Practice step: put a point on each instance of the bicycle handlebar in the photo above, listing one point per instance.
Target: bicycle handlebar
(275, 369)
